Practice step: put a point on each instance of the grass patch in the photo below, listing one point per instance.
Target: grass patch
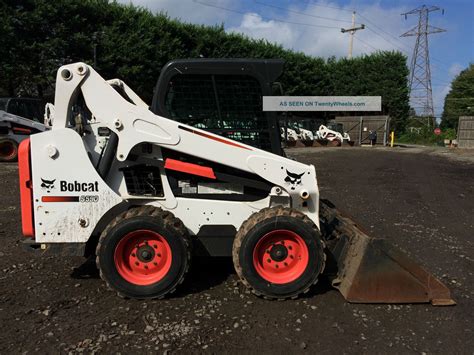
(426, 137)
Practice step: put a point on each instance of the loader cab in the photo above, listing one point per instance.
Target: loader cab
(223, 96)
(334, 126)
(30, 108)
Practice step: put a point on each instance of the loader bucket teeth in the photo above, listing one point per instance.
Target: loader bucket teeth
(370, 270)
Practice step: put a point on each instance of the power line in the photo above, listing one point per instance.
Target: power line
(382, 30)
(379, 28)
(366, 43)
(301, 13)
(398, 47)
(378, 34)
(323, 26)
(328, 7)
(262, 17)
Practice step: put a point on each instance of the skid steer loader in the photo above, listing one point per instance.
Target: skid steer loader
(19, 118)
(140, 192)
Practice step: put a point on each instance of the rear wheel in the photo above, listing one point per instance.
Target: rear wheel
(278, 253)
(8, 150)
(144, 253)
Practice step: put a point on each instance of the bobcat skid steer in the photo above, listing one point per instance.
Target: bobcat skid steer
(143, 193)
(330, 135)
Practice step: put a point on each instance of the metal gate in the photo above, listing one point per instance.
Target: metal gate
(359, 128)
(466, 132)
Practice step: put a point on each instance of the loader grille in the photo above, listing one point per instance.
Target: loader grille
(143, 180)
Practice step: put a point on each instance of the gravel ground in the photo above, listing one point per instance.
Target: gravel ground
(419, 200)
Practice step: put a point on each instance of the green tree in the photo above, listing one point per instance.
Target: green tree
(460, 99)
(38, 36)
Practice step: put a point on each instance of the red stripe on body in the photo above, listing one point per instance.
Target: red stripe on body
(60, 199)
(189, 168)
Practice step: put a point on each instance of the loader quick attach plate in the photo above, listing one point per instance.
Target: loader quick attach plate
(370, 270)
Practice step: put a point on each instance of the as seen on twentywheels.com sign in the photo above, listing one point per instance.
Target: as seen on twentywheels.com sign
(322, 103)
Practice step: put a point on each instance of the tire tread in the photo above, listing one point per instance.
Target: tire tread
(254, 219)
(169, 220)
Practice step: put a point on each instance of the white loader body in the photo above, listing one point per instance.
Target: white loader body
(330, 135)
(70, 198)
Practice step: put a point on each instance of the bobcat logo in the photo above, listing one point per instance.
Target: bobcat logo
(293, 179)
(47, 185)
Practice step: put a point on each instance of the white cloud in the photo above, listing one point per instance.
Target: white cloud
(318, 41)
(384, 25)
(455, 69)
(254, 26)
(323, 41)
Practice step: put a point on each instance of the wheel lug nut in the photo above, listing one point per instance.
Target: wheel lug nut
(155, 263)
(292, 257)
(290, 247)
(285, 263)
(133, 254)
(155, 246)
(137, 263)
(276, 266)
(269, 260)
(146, 266)
(159, 255)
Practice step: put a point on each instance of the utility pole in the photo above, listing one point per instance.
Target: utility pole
(421, 93)
(352, 30)
(96, 38)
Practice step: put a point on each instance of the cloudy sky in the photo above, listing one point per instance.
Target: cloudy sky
(313, 27)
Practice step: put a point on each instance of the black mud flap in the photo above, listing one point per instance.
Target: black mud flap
(370, 270)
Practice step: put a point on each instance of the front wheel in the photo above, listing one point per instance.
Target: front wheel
(144, 253)
(278, 253)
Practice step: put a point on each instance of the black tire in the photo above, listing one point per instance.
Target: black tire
(8, 150)
(258, 227)
(152, 220)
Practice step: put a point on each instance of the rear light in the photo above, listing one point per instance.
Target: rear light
(26, 189)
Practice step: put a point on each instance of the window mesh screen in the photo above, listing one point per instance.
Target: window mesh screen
(237, 114)
(190, 99)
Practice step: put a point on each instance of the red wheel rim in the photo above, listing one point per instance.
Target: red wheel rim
(280, 256)
(7, 150)
(143, 257)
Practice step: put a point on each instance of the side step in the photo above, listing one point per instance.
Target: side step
(370, 270)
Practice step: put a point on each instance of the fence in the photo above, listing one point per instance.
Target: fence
(466, 132)
(359, 128)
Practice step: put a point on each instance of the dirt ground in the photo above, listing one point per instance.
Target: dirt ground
(419, 200)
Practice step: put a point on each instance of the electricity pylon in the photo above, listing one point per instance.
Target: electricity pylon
(421, 95)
